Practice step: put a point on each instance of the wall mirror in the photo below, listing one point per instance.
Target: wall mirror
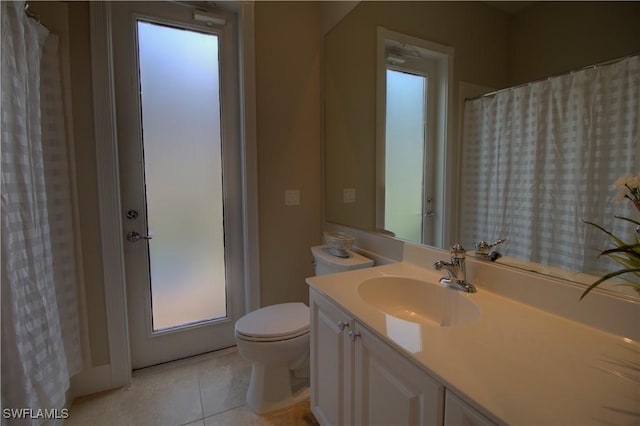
(494, 45)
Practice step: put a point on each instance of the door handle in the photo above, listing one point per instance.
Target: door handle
(134, 236)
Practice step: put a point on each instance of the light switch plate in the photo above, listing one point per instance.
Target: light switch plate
(349, 195)
(292, 197)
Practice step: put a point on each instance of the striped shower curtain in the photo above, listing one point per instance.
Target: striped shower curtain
(541, 158)
(41, 339)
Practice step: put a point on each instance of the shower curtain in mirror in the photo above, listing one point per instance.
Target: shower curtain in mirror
(41, 339)
(538, 159)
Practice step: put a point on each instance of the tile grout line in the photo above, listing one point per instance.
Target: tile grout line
(224, 411)
(225, 350)
(200, 393)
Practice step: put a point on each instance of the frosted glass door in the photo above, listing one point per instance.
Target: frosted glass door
(180, 112)
(404, 156)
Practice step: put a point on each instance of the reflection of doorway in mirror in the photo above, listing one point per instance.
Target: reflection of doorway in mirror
(406, 140)
(412, 92)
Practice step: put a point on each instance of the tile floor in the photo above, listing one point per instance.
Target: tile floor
(208, 390)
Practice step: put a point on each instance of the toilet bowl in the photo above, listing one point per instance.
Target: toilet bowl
(275, 339)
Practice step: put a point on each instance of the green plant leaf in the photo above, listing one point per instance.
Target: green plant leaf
(625, 254)
(630, 249)
(607, 277)
(618, 241)
(628, 219)
(626, 263)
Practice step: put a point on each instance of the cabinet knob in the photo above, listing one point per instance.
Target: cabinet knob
(342, 325)
(354, 335)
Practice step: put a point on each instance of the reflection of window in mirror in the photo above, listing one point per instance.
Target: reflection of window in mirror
(413, 79)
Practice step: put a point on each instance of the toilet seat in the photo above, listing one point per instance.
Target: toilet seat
(274, 323)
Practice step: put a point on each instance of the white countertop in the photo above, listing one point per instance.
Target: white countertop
(517, 364)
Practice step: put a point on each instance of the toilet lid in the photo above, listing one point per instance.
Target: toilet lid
(275, 322)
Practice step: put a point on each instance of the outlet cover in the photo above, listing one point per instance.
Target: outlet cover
(349, 195)
(292, 197)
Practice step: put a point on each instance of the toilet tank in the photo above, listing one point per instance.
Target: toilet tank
(326, 263)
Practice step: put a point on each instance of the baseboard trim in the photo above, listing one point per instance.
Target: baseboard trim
(91, 380)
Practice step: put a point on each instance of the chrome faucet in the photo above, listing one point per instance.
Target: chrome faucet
(483, 250)
(456, 271)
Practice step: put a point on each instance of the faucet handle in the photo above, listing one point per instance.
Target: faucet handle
(498, 242)
(457, 251)
(483, 247)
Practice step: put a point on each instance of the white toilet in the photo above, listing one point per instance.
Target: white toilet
(276, 341)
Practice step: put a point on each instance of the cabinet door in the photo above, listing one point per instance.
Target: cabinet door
(389, 389)
(458, 412)
(331, 359)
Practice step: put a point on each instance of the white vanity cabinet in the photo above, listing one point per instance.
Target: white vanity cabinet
(356, 378)
(389, 389)
(331, 363)
(458, 412)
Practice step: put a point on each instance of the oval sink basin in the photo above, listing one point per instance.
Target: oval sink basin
(419, 301)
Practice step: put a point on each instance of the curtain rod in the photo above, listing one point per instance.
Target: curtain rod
(598, 65)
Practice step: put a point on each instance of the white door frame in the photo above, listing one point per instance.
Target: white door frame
(443, 146)
(111, 229)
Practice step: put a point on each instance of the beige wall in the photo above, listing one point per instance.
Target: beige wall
(331, 12)
(289, 145)
(550, 38)
(87, 180)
